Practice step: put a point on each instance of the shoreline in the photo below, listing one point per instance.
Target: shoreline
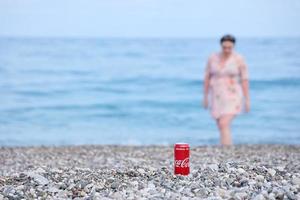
(146, 172)
(146, 145)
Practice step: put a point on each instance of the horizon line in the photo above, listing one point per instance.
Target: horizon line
(143, 37)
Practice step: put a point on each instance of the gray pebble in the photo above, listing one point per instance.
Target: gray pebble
(128, 172)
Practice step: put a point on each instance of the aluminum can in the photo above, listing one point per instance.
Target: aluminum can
(181, 159)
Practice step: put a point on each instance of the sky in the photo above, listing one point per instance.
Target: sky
(149, 18)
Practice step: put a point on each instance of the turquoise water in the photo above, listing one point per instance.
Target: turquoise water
(139, 91)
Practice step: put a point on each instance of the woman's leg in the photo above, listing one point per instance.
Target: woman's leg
(224, 128)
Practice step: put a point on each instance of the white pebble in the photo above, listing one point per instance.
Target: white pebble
(272, 172)
(241, 171)
(213, 167)
(260, 178)
(296, 180)
(259, 197)
(38, 178)
(141, 170)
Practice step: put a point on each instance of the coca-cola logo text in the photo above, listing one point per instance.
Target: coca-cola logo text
(182, 163)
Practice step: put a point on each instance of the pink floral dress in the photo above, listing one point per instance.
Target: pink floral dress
(225, 89)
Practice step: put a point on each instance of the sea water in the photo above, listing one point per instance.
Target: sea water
(61, 91)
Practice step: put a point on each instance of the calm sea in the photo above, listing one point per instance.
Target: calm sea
(139, 91)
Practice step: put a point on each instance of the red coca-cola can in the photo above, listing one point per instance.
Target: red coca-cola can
(181, 158)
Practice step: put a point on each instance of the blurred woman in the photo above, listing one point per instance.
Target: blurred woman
(226, 87)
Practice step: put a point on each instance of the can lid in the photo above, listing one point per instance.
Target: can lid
(181, 144)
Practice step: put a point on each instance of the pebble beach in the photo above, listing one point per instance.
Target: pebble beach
(146, 172)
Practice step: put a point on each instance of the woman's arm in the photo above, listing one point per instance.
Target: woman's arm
(245, 83)
(206, 84)
(206, 90)
(245, 88)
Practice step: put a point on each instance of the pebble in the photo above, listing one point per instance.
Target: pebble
(151, 185)
(7, 190)
(241, 171)
(141, 171)
(272, 172)
(280, 168)
(213, 167)
(260, 178)
(259, 197)
(256, 172)
(52, 190)
(114, 185)
(240, 195)
(296, 180)
(38, 178)
(222, 192)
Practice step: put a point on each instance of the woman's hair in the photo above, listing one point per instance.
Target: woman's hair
(227, 37)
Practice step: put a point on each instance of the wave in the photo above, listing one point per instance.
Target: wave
(196, 82)
(60, 107)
